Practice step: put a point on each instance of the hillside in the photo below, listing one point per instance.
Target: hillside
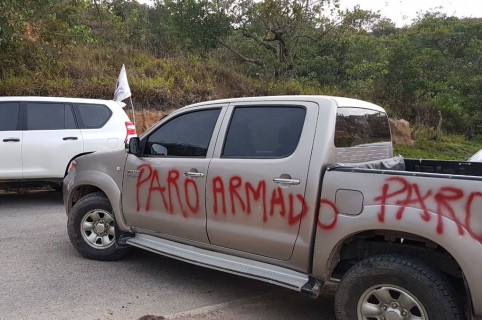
(181, 52)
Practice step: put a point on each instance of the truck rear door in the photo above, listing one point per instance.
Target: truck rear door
(257, 177)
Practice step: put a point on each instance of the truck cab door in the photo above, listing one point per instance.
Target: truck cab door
(11, 137)
(164, 188)
(257, 177)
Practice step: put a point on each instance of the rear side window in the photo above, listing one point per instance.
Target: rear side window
(9, 115)
(93, 116)
(264, 132)
(358, 126)
(49, 116)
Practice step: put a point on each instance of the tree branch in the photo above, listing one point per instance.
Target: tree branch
(259, 41)
(257, 62)
(100, 15)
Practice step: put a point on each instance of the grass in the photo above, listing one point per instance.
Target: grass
(157, 84)
(448, 148)
(162, 85)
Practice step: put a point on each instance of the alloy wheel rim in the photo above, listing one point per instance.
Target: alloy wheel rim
(97, 228)
(390, 302)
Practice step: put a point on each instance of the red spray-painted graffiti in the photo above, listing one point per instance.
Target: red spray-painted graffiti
(242, 196)
(245, 195)
(446, 200)
(327, 203)
(181, 195)
(291, 207)
(175, 198)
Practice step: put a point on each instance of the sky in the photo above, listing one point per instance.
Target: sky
(402, 12)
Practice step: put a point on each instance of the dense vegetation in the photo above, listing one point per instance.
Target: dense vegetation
(183, 51)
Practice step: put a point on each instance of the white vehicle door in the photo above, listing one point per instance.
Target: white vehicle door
(51, 140)
(10, 141)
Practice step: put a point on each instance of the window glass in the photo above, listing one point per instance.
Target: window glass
(187, 135)
(45, 116)
(93, 116)
(357, 126)
(9, 115)
(264, 132)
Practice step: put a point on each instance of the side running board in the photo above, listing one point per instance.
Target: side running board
(241, 266)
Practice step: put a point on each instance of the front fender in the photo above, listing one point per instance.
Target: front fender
(76, 180)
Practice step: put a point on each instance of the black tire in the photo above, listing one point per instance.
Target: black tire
(94, 204)
(396, 276)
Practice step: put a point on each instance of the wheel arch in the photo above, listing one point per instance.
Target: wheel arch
(89, 181)
(375, 241)
(366, 243)
(436, 229)
(384, 285)
(79, 192)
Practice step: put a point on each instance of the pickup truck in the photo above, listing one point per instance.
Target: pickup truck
(298, 191)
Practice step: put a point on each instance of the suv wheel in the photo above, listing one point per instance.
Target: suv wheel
(395, 287)
(91, 230)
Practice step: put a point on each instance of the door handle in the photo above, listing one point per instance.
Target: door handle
(11, 140)
(70, 138)
(286, 181)
(191, 174)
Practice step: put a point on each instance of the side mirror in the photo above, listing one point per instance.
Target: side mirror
(133, 146)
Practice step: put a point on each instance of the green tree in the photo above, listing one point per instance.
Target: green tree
(197, 24)
(34, 32)
(281, 26)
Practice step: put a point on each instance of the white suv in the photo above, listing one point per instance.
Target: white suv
(40, 136)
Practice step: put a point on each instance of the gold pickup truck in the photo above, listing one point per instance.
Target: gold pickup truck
(293, 190)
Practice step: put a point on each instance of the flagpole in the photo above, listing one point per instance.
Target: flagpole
(133, 113)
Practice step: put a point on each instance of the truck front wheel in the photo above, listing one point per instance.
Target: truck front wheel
(395, 287)
(90, 226)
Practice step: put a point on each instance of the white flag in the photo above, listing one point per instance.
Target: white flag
(122, 90)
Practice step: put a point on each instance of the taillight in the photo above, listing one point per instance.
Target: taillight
(72, 166)
(130, 131)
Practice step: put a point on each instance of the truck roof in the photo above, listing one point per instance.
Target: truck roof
(340, 101)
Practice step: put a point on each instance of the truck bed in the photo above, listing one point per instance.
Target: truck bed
(433, 199)
(402, 166)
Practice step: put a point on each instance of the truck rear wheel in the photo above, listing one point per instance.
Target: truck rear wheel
(90, 226)
(395, 287)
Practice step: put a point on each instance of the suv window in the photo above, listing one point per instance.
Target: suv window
(358, 126)
(49, 116)
(9, 115)
(264, 132)
(93, 116)
(187, 135)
